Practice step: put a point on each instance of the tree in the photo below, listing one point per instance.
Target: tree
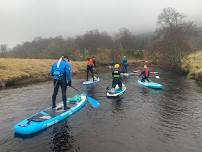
(174, 37)
(3, 50)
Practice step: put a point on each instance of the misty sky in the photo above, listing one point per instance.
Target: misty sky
(22, 20)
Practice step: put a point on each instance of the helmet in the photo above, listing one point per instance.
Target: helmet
(116, 66)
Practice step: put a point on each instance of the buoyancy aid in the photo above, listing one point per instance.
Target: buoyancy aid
(146, 72)
(116, 74)
(58, 72)
(90, 62)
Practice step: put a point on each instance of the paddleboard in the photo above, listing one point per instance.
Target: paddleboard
(151, 84)
(48, 117)
(113, 93)
(91, 82)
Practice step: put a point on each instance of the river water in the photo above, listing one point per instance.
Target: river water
(143, 120)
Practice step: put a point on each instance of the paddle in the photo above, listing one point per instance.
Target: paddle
(93, 102)
(157, 77)
(107, 88)
(155, 73)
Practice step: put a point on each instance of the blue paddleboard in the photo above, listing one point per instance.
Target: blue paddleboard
(151, 84)
(113, 93)
(48, 117)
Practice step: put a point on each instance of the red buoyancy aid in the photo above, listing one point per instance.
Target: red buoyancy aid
(146, 72)
(90, 62)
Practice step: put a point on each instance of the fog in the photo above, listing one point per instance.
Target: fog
(22, 20)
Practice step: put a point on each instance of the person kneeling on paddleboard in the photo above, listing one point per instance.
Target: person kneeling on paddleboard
(144, 74)
(61, 72)
(90, 66)
(116, 75)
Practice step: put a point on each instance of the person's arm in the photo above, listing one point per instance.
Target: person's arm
(112, 73)
(122, 62)
(141, 73)
(51, 70)
(68, 71)
(94, 63)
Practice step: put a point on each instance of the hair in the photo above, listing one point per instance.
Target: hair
(66, 57)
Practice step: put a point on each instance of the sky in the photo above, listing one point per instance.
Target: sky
(23, 20)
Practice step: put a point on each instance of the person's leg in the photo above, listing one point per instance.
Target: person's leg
(126, 67)
(147, 78)
(55, 92)
(122, 69)
(113, 83)
(143, 79)
(120, 84)
(91, 70)
(87, 72)
(64, 97)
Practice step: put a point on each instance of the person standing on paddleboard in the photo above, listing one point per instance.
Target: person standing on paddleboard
(116, 75)
(90, 66)
(124, 64)
(61, 73)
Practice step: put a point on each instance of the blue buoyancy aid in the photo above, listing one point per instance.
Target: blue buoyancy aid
(61, 70)
(124, 62)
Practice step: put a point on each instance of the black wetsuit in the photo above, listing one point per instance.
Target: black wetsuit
(63, 84)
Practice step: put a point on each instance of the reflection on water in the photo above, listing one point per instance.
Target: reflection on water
(62, 139)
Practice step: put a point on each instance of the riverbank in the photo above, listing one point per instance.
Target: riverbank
(15, 72)
(24, 71)
(192, 65)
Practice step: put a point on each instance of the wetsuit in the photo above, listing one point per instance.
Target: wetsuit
(124, 64)
(116, 74)
(90, 65)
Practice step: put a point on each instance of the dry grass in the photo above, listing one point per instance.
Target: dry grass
(13, 71)
(19, 71)
(192, 64)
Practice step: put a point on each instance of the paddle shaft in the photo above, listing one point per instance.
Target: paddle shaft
(75, 89)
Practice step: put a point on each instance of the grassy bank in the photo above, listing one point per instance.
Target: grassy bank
(19, 71)
(23, 71)
(192, 64)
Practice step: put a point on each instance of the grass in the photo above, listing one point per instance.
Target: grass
(21, 71)
(192, 64)
(16, 71)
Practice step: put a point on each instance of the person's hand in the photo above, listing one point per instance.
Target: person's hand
(69, 83)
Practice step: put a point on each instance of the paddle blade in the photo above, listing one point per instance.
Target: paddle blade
(94, 103)
(157, 77)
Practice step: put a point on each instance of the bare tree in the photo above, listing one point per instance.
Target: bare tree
(174, 37)
(3, 50)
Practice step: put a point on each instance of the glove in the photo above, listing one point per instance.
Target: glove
(69, 83)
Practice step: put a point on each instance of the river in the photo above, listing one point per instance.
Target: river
(143, 120)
